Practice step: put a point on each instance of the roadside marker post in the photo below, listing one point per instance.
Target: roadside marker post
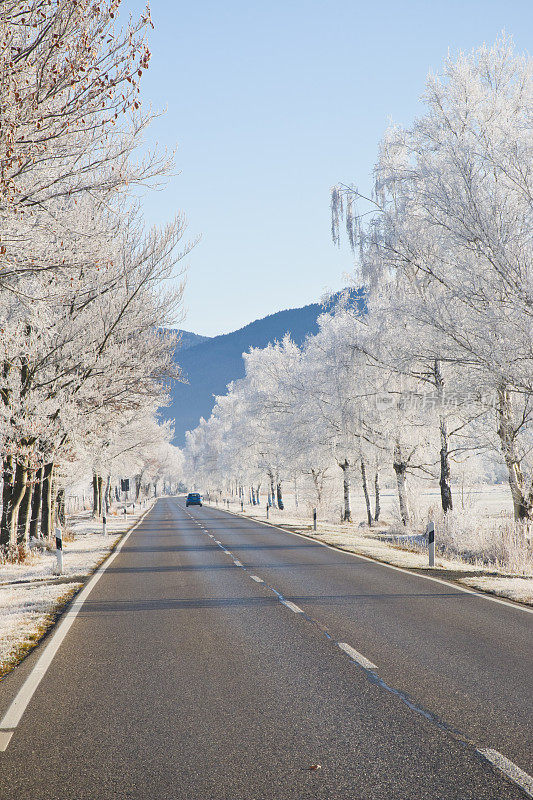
(268, 509)
(242, 505)
(430, 533)
(59, 549)
(314, 519)
(104, 520)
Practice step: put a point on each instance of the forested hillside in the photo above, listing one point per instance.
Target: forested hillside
(212, 364)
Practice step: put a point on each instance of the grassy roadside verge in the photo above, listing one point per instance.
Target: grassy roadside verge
(33, 599)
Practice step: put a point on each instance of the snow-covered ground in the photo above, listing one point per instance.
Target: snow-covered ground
(385, 543)
(31, 593)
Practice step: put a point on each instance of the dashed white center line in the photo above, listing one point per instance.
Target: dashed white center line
(292, 606)
(5, 737)
(510, 769)
(355, 656)
(507, 767)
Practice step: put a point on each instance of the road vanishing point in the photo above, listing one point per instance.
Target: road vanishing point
(218, 658)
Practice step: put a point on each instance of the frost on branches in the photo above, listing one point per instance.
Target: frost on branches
(434, 377)
(84, 360)
(446, 247)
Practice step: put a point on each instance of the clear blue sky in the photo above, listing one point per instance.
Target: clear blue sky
(272, 103)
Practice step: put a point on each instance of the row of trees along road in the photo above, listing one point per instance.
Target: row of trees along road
(438, 365)
(84, 364)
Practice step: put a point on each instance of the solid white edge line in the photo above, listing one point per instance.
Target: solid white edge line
(356, 656)
(18, 706)
(256, 579)
(509, 768)
(517, 606)
(5, 737)
(292, 606)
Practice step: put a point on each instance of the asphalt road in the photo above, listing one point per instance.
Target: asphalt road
(185, 678)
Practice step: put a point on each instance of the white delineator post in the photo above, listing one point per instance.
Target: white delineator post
(430, 533)
(104, 520)
(314, 519)
(59, 549)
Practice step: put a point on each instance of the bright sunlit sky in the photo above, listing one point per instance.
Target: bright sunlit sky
(272, 103)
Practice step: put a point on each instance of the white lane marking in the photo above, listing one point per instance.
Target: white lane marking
(237, 562)
(510, 769)
(21, 700)
(451, 585)
(256, 579)
(356, 656)
(292, 606)
(5, 737)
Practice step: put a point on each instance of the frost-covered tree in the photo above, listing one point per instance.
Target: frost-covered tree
(450, 235)
(82, 305)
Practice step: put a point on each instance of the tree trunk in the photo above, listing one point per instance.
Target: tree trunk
(7, 497)
(258, 487)
(376, 497)
(279, 496)
(19, 490)
(400, 468)
(46, 506)
(100, 494)
(522, 503)
(365, 491)
(36, 502)
(347, 513)
(95, 494)
(272, 492)
(60, 507)
(318, 486)
(445, 488)
(23, 531)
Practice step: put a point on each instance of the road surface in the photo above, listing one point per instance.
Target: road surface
(221, 659)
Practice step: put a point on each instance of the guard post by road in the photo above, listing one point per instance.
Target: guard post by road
(314, 519)
(430, 533)
(59, 549)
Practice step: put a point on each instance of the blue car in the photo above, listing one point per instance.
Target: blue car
(193, 499)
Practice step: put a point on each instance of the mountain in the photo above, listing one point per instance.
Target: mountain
(189, 339)
(211, 364)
